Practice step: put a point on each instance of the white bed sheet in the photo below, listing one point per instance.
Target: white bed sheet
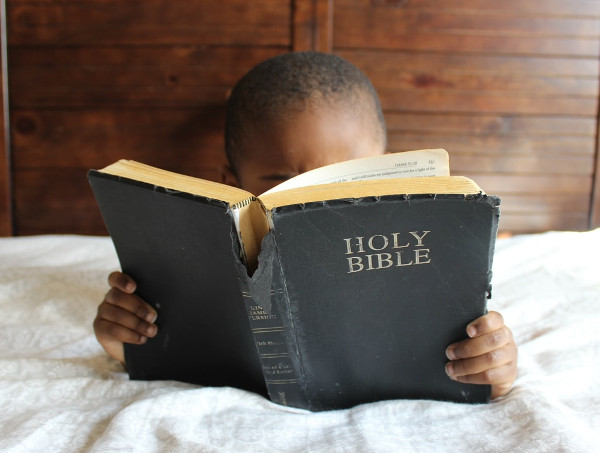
(60, 392)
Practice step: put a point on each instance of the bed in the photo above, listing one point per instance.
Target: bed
(60, 392)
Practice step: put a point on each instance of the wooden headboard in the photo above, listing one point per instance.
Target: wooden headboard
(509, 88)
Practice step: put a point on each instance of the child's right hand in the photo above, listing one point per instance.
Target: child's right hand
(123, 317)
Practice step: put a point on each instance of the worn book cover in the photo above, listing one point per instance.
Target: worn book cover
(370, 292)
(322, 297)
(181, 251)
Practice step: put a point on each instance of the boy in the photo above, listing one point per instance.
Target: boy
(288, 115)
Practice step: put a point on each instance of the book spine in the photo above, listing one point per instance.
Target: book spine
(264, 294)
(281, 378)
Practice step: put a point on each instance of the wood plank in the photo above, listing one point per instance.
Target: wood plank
(167, 94)
(472, 102)
(372, 37)
(303, 34)
(219, 60)
(531, 213)
(372, 62)
(391, 62)
(466, 83)
(312, 25)
(480, 124)
(547, 185)
(535, 223)
(477, 29)
(481, 83)
(54, 201)
(547, 8)
(324, 26)
(6, 213)
(58, 201)
(534, 203)
(539, 203)
(135, 22)
(94, 137)
(59, 220)
(143, 76)
(486, 146)
(441, 19)
(462, 163)
(544, 203)
(594, 219)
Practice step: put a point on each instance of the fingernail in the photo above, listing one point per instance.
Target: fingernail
(143, 339)
(151, 317)
(471, 331)
(130, 287)
(151, 330)
(450, 353)
(449, 369)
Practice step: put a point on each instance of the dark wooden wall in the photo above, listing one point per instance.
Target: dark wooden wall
(509, 88)
(6, 223)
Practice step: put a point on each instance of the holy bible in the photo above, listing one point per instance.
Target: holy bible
(339, 287)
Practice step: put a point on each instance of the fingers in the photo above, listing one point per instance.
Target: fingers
(130, 304)
(127, 322)
(123, 317)
(487, 334)
(122, 281)
(485, 324)
(487, 368)
(489, 356)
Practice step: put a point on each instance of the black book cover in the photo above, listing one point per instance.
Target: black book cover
(181, 250)
(371, 291)
(354, 300)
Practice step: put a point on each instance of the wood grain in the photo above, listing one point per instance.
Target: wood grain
(594, 215)
(93, 138)
(191, 76)
(510, 88)
(313, 25)
(6, 213)
(59, 200)
(459, 26)
(143, 22)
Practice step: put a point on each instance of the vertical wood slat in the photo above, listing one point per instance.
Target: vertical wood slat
(6, 215)
(312, 25)
(594, 213)
(595, 208)
(594, 221)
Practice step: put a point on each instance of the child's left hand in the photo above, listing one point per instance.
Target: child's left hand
(488, 356)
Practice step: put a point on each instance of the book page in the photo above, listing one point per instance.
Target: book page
(425, 162)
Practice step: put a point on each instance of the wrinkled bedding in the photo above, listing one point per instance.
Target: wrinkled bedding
(60, 392)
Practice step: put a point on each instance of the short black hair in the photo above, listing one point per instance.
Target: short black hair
(274, 86)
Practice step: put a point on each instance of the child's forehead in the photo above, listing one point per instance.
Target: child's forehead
(316, 121)
(313, 136)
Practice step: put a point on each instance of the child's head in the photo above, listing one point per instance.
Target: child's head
(296, 112)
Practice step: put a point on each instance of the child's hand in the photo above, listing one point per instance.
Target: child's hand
(488, 356)
(123, 317)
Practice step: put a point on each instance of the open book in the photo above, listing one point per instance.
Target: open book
(350, 179)
(340, 286)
